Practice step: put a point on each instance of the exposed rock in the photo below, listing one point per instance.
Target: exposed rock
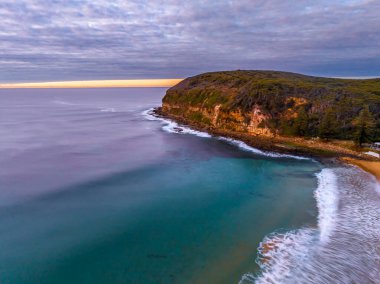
(271, 103)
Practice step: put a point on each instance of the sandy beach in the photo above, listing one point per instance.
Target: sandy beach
(372, 167)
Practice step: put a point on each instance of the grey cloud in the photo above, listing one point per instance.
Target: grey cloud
(68, 40)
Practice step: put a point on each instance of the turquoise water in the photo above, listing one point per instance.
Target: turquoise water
(93, 192)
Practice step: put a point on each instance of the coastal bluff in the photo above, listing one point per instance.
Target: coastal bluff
(280, 107)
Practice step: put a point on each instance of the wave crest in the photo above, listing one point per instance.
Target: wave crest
(279, 254)
(327, 202)
(173, 127)
(344, 248)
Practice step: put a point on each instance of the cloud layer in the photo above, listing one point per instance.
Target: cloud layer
(99, 39)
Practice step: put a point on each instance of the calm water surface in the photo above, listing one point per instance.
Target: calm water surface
(93, 192)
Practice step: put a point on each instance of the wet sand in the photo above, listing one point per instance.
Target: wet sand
(372, 167)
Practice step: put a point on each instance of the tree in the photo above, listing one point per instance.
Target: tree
(365, 126)
(328, 127)
(301, 123)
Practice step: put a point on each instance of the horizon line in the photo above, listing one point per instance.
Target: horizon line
(133, 83)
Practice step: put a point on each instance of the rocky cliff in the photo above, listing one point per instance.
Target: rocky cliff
(270, 103)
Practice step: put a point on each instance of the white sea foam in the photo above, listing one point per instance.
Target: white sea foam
(377, 187)
(149, 114)
(327, 201)
(246, 147)
(173, 127)
(344, 248)
(376, 183)
(279, 254)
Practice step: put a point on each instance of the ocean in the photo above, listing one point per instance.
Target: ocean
(95, 189)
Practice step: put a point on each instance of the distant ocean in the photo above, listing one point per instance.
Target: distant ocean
(96, 189)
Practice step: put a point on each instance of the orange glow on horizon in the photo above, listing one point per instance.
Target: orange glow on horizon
(138, 83)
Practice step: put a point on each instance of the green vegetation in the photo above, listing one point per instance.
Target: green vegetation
(365, 126)
(197, 116)
(295, 104)
(328, 127)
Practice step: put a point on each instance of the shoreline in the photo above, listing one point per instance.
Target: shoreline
(372, 167)
(328, 154)
(349, 179)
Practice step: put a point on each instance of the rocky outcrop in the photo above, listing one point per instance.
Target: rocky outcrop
(257, 121)
(252, 122)
(269, 103)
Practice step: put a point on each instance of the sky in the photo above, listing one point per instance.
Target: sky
(54, 40)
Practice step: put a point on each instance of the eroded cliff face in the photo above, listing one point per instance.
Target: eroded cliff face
(252, 122)
(271, 103)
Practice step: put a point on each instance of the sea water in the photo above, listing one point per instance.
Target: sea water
(95, 189)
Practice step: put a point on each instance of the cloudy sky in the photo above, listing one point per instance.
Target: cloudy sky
(53, 40)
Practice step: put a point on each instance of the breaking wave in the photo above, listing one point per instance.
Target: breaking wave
(327, 202)
(173, 127)
(246, 147)
(345, 246)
